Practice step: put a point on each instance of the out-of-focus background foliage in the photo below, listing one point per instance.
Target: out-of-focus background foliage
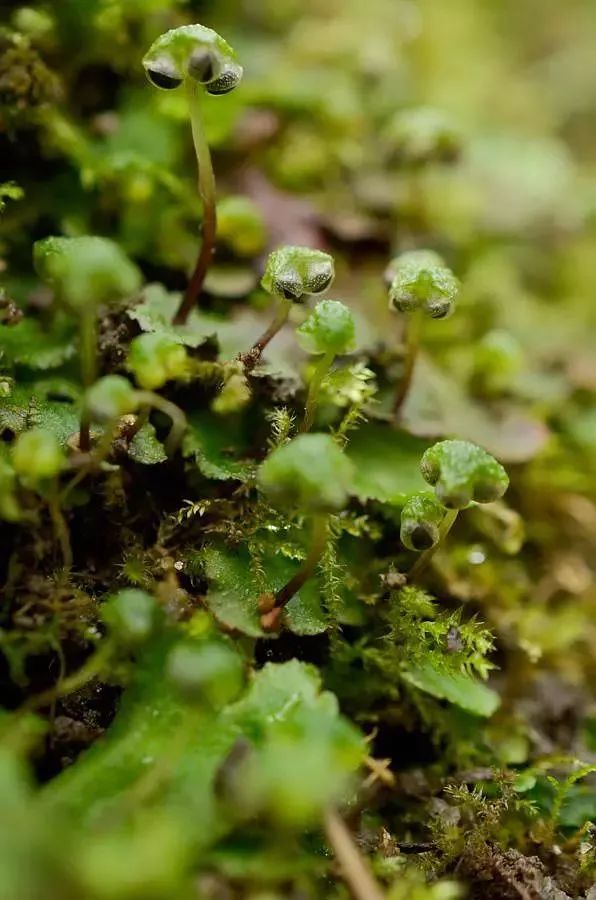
(332, 137)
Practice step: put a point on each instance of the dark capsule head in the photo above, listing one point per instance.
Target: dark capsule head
(162, 73)
(226, 81)
(204, 65)
(289, 285)
(423, 536)
(421, 518)
(195, 52)
(461, 472)
(292, 272)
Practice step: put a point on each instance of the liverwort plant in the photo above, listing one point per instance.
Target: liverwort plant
(113, 396)
(461, 473)
(328, 332)
(200, 59)
(310, 475)
(291, 274)
(420, 285)
(38, 459)
(86, 273)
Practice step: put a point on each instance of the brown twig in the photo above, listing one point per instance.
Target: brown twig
(354, 868)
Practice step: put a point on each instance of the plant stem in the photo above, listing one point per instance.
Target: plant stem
(355, 871)
(88, 342)
(424, 558)
(314, 389)
(207, 193)
(60, 526)
(92, 667)
(97, 457)
(281, 317)
(173, 412)
(412, 343)
(270, 617)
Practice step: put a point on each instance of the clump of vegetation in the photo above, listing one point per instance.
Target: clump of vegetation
(244, 652)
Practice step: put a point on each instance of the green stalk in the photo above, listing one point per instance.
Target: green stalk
(88, 346)
(270, 617)
(74, 682)
(60, 525)
(100, 452)
(206, 181)
(174, 438)
(424, 558)
(314, 390)
(412, 343)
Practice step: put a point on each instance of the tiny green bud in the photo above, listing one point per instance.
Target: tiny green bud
(85, 271)
(240, 226)
(330, 328)
(110, 398)
(206, 672)
(309, 473)
(37, 455)
(292, 272)
(424, 135)
(131, 615)
(155, 359)
(462, 472)
(421, 518)
(9, 506)
(196, 52)
(421, 281)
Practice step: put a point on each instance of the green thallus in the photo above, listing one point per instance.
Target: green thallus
(86, 273)
(311, 475)
(197, 57)
(420, 285)
(328, 332)
(291, 274)
(461, 473)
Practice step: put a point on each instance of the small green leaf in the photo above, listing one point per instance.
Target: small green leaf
(456, 687)
(276, 689)
(27, 406)
(145, 448)
(387, 464)
(233, 595)
(37, 346)
(210, 439)
(156, 311)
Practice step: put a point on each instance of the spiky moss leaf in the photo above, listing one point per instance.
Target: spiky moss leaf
(387, 464)
(145, 447)
(32, 344)
(233, 596)
(210, 439)
(156, 311)
(456, 687)
(28, 406)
